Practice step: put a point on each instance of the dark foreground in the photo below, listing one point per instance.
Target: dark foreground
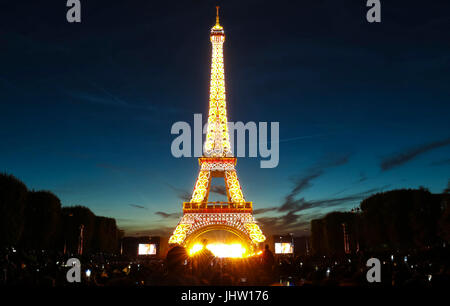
(425, 268)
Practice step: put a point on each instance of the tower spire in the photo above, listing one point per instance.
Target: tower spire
(217, 15)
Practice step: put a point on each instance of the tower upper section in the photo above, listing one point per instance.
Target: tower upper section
(217, 142)
(217, 32)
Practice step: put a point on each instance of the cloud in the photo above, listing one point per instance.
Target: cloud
(219, 189)
(362, 178)
(181, 193)
(291, 204)
(261, 211)
(295, 138)
(297, 205)
(288, 223)
(292, 222)
(407, 155)
(105, 97)
(162, 231)
(117, 169)
(97, 99)
(357, 197)
(138, 206)
(125, 220)
(304, 181)
(166, 215)
(441, 162)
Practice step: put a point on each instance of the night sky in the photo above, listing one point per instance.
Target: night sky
(86, 109)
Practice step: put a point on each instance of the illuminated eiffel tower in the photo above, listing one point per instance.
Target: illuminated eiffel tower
(199, 215)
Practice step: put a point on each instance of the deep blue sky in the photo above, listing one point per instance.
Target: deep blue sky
(86, 109)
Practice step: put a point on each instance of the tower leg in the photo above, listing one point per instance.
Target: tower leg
(201, 188)
(234, 187)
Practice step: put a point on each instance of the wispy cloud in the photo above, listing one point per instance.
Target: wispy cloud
(145, 230)
(297, 205)
(303, 182)
(288, 223)
(138, 206)
(98, 99)
(126, 220)
(261, 211)
(356, 197)
(362, 178)
(407, 155)
(219, 189)
(181, 193)
(295, 138)
(293, 222)
(168, 215)
(441, 162)
(102, 96)
(114, 168)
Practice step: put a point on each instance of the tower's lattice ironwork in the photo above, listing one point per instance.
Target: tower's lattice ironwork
(218, 161)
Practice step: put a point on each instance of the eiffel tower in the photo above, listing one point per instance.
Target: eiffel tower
(199, 215)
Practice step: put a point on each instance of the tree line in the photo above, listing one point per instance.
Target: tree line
(36, 220)
(394, 220)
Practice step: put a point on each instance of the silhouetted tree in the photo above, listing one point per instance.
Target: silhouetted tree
(447, 190)
(444, 221)
(327, 234)
(35, 220)
(318, 241)
(42, 220)
(397, 219)
(400, 219)
(73, 217)
(13, 194)
(106, 235)
(335, 223)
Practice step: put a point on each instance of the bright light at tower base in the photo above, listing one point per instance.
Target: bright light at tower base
(221, 250)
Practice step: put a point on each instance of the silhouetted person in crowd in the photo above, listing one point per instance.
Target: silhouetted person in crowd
(267, 258)
(202, 263)
(176, 261)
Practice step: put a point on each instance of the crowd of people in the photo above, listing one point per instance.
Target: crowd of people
(425, 268)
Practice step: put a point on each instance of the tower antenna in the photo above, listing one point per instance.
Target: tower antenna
(217, 14)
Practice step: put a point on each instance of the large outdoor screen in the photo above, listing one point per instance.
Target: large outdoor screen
(284, 248)
(147, 249)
